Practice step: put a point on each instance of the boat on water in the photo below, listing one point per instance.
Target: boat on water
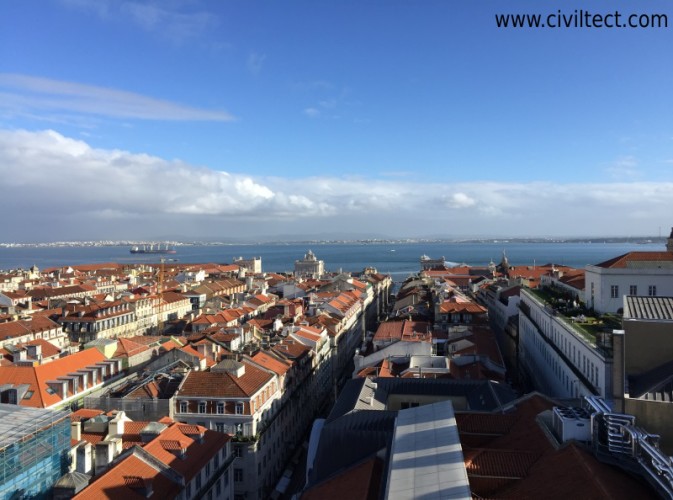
(152, 249)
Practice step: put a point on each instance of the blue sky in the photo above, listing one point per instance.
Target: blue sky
(401, 118)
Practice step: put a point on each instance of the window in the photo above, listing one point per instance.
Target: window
(220, 408)
(208, 470)
(239, 408)
(198, 481)
(238, 475)
(238, 451)
(614, 291)
(651, 290)
(219, 427)
(633, 290)
(202, 407)
(183, 407)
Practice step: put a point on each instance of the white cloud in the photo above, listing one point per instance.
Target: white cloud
(52, 182)
(459, 200)
(255, 62)
(24, 94)
(312, 112)
(624, 167)
(173, 22)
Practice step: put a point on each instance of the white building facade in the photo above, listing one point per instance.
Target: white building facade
(634, 273)
(561, 361)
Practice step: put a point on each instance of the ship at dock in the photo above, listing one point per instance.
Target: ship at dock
(152, 249)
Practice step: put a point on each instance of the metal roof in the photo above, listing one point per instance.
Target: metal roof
(426, 460)
(19, 422)
(648, 307)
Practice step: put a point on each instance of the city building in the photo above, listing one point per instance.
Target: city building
(411, 438)
(634, 273)
(240, 398)
(643, 371)
(252, 265)
(98, 320)
(172, 460)
(27, 330)
(565, 354)
(61, 383)
(34, 447)
(309, 266)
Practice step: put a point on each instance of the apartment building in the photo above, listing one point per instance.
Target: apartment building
(634, 273)
(240, 398)
(60, 383)
(565, 357)
(173, 460)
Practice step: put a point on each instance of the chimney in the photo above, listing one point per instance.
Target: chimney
(76, 431)
(104, 455)
(140, 485)
(84, 455)
(35, 351)
(116, 425)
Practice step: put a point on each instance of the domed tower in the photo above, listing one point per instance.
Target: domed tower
(504, 263)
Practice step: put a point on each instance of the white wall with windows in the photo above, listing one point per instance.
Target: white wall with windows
(560, 361)
(605, 288)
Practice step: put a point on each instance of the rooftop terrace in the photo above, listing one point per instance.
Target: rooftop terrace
(595, 329)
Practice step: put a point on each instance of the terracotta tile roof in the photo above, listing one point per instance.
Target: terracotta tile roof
(48, 349)
(279, 367)
(403, 330)
(224, 384)
(84, 414)
(197, 453)
(173, 297)
(122, 480)
(483, 343)
(360, 482)
(450, 307)
(128, 348)
(38, 376)
(131, 435)
(37, 324)
(146, 339)
(622, 261)
(583, 477)
(291, 350)
(113, 266)
(499, 463)
(576, 281)
(508, 455)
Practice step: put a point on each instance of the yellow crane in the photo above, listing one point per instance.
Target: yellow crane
(160, 291)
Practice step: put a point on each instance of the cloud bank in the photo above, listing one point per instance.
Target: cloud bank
(55, 186)
(24, 94)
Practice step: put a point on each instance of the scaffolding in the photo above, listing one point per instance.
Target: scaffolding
(34, 446)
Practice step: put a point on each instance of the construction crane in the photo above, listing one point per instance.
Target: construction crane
(160, 291)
